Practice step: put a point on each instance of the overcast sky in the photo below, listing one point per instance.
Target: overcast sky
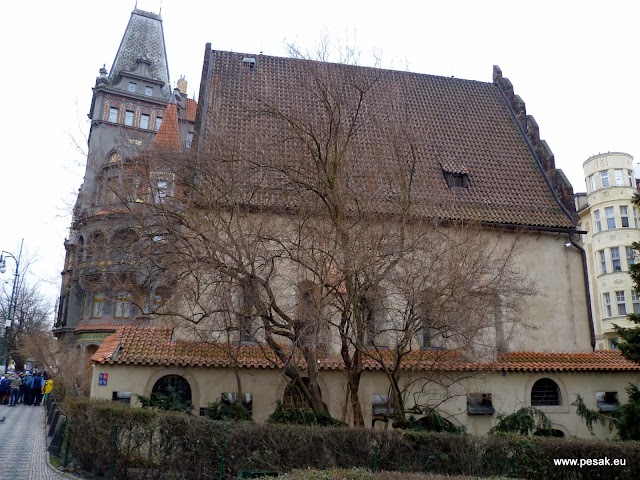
(574, 63)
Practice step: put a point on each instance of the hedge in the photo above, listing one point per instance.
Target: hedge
(150, 444)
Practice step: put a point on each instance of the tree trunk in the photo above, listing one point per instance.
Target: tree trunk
(356, 407)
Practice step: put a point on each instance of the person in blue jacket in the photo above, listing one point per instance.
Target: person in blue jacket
(4, 388)
(36, 388)
(27, 381)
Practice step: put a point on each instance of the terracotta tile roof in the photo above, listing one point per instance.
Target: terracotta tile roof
(108, 325)
(153, 346)
(168, 135)
(610, 360)
(107, 348)
(445, 123)
(191, 106)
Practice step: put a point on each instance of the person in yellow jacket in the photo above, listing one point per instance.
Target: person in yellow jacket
(48, 388)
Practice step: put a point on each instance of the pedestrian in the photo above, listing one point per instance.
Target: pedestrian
(48, 388)
(36, 388)
(27, 381)
(4, 388)
(21, 399)
(15, 382)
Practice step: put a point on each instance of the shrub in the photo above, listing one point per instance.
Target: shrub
(431, 422)
(171, 401)
(302, 416)
(151, 444)
(526, 421)
(225, 412)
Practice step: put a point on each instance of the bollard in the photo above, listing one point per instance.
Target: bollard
(54, 422)
(58, 436)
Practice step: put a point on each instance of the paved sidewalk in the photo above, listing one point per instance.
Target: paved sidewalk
(23, 445)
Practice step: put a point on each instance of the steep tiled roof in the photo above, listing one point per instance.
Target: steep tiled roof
(153, 346)
(143, 38)
(435, 124)
(168, 135)
(191, 106)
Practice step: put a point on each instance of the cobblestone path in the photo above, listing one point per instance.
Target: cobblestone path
(23, 445)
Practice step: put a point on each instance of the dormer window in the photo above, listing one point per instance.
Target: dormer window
(457, 180)
(455, 173)
(132, 87)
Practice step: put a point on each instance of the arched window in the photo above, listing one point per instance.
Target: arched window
(173, 384)
(122, 245)
(95, 246)
(545, 392)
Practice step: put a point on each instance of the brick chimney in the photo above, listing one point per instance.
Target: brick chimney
(182, 85)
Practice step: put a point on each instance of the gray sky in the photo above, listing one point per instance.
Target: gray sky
(574, 63)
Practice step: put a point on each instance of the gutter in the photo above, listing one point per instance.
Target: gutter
(587, 292)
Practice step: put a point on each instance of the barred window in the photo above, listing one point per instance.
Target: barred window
(545, 392)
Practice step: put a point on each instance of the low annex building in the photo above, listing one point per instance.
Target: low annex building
(136, 361)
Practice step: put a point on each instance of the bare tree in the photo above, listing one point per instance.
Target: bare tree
(30, 310)
(59, 358)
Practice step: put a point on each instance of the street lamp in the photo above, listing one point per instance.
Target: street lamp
(9, 320)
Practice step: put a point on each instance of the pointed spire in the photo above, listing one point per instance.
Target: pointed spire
(168, 135)
(143, 39)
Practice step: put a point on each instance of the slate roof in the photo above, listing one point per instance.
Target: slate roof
(154, 346)
(143, 38)
(444, 124)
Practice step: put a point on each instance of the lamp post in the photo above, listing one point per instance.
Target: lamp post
(9, 320)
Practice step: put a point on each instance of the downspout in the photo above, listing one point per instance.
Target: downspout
(587, 291)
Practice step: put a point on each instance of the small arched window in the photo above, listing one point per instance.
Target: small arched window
(545, 392)
(171, 385)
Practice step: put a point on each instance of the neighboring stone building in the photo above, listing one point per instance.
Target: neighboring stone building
(133, 106)
(611, 223)
(474, 155)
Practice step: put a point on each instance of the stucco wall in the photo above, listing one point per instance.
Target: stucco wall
(510, 391)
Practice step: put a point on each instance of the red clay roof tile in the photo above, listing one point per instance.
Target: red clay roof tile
(153, 346)
(168, 135)
(191, 106)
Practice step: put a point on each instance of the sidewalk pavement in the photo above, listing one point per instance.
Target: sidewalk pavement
(23, 445)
